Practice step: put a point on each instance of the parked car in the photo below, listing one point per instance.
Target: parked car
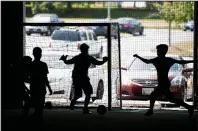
(102, 30)
(69, 39)
(130, 25)
(60, 75)
(43, 18)
(140, 79)
(189, 25)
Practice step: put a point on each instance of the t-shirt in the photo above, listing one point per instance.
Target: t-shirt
(39, 71)
(162, 66)
(81, 65)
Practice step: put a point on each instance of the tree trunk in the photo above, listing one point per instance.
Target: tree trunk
(169, 33)
(119, 4)
(69, 5)
(134, 4)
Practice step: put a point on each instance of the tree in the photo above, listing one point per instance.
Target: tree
(119, 4)
(47, 7)
(184, 11)
(60, 6)
(179, 12)
(35, 7)
(69, 5)
(167, 12)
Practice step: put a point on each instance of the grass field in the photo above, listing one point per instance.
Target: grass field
(182, 49)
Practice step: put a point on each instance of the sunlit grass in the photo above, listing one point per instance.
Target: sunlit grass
(181, 49)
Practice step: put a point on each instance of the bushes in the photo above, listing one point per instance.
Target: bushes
(64, 12)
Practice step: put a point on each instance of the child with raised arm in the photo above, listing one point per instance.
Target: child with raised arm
(162, 65)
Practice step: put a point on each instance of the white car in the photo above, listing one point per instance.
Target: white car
(69, 40)
(60, 75)
(43, 18)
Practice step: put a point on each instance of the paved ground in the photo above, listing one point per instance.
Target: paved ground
(65, 120)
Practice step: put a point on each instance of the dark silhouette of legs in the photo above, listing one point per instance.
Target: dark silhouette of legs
(26, 105)
(38, 102)
(73, 101)
(179, 102)
(88, 91)
(85, 109)
(153, 96)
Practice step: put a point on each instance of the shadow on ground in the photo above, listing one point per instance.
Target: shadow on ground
(60, 119)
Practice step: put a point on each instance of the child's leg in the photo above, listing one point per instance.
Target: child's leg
(77, 95)
(153, 96)
(179, 102)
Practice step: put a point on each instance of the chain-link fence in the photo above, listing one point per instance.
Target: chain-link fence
(139, 33)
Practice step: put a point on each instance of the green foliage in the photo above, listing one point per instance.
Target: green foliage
(60, 6)
(35, 7)
(176, 11)
(166, 11)
(184, 11)
(47, 7)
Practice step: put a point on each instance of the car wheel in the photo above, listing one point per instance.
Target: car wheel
(100, 90)
(184, 29)
(191, 29)
(42, 34)
(141, 33)
(28, 34)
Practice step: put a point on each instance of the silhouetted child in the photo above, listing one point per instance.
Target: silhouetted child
(81, 80)
(163, 64)
(38, 83)
(23, 77)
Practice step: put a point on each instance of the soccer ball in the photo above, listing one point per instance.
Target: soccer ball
(48, 105)
(101, 109)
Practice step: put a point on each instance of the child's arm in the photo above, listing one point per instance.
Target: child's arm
(142, 59)
(47, 81)
(48, 86)
(184, 61)
(64, 59)
(96, 62)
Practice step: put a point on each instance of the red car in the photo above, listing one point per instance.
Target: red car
(140, 79)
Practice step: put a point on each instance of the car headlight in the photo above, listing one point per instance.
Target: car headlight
(177, 80)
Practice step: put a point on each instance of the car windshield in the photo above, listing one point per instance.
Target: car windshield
(139, 65)
(127, 21)
(133, 22)
(190, 22)
(67, 35)
(41, 18)
(53, 62)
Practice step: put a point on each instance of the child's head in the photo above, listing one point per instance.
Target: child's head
(162, 49)
(37, 52)
(27, 59)
(84, 48)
